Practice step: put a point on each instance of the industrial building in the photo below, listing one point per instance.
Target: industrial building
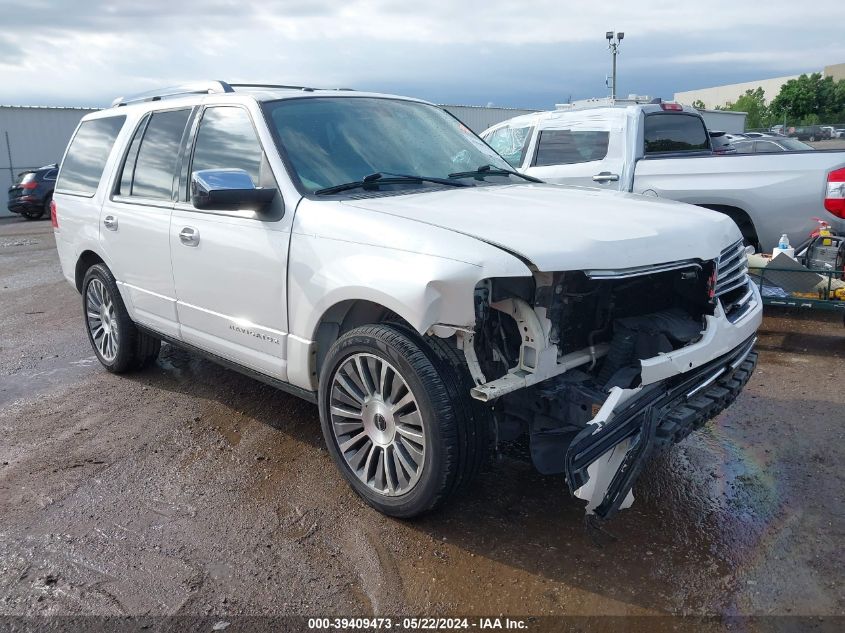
(726, 95)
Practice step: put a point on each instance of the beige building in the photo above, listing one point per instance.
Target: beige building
(726, 95)
(837, 71)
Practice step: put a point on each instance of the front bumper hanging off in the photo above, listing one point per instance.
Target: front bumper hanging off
(604, 459)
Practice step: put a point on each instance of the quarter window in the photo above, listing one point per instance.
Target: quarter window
(227, 140)
(87, 155)
(565, 147)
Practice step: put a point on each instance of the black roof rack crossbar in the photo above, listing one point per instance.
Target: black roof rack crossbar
(203, 87)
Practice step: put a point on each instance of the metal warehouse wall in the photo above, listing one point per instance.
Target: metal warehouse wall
(723, 121)
(36, 136)
(479, 118)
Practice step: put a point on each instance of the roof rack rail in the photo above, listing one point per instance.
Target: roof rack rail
(205, 87)
(285, 87)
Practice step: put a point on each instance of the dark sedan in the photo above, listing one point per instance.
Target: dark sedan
(31, 194)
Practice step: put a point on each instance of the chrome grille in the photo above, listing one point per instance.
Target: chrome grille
(731, 269)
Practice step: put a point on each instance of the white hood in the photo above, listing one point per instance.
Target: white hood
(569, 228)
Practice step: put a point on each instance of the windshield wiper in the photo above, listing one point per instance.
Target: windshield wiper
(385, 178)
(490, 170)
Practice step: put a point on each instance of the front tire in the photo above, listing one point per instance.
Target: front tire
(397, 419)
(116, 341)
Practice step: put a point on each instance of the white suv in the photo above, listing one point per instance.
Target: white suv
(371, 254)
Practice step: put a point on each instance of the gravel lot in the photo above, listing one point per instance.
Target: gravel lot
(188, 489)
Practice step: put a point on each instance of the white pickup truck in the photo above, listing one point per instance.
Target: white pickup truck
(663, 149)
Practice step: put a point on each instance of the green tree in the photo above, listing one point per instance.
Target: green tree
(811, 98)
(754, 103)
(698, 104)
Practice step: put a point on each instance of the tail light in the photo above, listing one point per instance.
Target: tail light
(32, 184)
(671, 107)
(834, 197)
(54, 219)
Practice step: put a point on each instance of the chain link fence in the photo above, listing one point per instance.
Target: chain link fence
(816, 132)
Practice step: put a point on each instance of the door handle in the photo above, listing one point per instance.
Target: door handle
(110, 222)
(189, 236)
(605, 176)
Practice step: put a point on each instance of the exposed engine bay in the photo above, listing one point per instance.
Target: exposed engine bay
(557, 357)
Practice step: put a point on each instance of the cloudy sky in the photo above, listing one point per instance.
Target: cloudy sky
(529, 53)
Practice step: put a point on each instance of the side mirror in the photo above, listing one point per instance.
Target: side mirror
(228, 190)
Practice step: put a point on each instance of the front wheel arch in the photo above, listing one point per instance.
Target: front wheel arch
(345, 316)
(741, 219)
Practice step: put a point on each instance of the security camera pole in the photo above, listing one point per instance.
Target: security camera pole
(613, 42)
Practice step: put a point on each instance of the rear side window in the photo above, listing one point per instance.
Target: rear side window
(674, 133)
(565, 147)
(151, 162)
(744, 147)
(227, 140)
(768, 146)
(87, 155)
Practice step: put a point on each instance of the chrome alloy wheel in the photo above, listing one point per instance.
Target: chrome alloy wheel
(102, 323)
(377, 424)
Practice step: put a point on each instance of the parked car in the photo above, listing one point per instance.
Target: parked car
(840, 132)
(371, 254)
(808, 133)
(32, 192)
(771, 144)
(722, 143)
(828, 132)
(664, 150)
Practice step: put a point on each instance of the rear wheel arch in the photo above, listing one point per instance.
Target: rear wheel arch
(86, 259)
(741, 219)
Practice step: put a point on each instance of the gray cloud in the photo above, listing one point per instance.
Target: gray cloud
(519, 54)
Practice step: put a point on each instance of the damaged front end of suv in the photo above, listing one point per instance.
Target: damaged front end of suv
(601, 367)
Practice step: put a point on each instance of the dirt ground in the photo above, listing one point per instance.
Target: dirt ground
(188, 489)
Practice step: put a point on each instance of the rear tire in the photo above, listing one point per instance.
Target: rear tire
(118, 343)
(33, 214)
(407, 459)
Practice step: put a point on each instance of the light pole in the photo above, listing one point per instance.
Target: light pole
(613, 42)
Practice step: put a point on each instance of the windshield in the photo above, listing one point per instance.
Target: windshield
(331, 141)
